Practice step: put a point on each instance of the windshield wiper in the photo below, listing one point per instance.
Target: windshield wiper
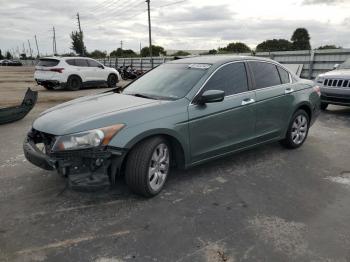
(142, 95)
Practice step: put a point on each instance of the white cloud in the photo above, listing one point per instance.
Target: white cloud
(192, 24)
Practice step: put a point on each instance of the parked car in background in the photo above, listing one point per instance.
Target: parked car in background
(179, 114)
(74, 73)
(335, 86)
(10, 63)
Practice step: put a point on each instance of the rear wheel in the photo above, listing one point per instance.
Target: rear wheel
(74, 83)
(148, 166)
(298, 130)
(324, 106)
(112, 80)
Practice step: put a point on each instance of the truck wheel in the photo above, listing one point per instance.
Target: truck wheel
(148, 166)
(74, 83)
(298, 130)
(324, 106)
(112, 80)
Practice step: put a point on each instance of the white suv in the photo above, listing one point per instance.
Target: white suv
(73, 73)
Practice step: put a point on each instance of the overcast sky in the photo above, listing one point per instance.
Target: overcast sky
(176, 24)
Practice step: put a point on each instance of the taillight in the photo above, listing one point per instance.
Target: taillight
(57, 70)
(317, 90)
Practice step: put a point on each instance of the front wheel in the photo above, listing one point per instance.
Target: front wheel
(298, 130)
(148, 166)
(112, 80)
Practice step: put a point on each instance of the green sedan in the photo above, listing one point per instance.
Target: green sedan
(178, 115)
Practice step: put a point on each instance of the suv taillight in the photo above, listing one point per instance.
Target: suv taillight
(317, 90)
(57, 70)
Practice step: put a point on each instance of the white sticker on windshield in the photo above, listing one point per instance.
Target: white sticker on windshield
(199, 66)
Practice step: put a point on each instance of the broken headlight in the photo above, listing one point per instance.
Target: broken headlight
(87, 139)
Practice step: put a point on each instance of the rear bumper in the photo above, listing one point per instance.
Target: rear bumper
(89, 169)
(50, 83)
(336, 96)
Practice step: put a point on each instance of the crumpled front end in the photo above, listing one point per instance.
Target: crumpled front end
(88, 169)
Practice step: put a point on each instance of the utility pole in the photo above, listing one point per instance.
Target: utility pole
(140, 48)
(24, 49)
(37, 47)
(81, 35)
(121, 44)
(54, 45)
(30, 49)
(149, 30)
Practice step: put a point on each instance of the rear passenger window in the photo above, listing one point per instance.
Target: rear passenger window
(284, 75)
(71, 62)
(81, 62)
(265, 74)
(231, 78)
(93, 63)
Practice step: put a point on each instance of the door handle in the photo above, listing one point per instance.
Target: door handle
(247, 101)
(289, 90)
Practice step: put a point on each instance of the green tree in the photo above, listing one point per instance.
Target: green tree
(23, 56)
(329, 47)
(274, 45)
(156, 50)
(1, 56)
(181, 53)
(237, 47)
(78, 43)
(123, 53)
(213, 52)
(301, 39)
(98, 54)
(8, 55)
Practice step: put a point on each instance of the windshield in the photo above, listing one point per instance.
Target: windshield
(168, 81)
(345, 65)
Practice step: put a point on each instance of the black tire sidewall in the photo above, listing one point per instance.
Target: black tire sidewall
(109, 80)
(324, 106)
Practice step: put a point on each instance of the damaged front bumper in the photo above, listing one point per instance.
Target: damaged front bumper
(86, 169)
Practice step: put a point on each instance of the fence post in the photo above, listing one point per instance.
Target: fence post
(132, 59)
(116, 63)
(141, 64)
(311, 64)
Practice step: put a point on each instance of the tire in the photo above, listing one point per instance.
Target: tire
(144, 174)
(112, 80)
(74, 83)
(298, 130)
(324, 106)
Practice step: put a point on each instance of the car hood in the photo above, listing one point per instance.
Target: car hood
(92, 112)
(337, 73)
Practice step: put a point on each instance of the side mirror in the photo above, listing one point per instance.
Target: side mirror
(336, 66)
(211, 96)
(101, 66)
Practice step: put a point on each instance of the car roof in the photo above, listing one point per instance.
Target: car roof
(65, 57)
(217, 59)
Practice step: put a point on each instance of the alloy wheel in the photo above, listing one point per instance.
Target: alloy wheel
(159, 167)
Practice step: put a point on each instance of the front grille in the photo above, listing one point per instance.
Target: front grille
(337, 83)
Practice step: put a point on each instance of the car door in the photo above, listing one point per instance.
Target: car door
(222, 127)
(83, 69)
(98, 72)
(274, 99)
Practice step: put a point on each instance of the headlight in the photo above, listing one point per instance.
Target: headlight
(87, 139)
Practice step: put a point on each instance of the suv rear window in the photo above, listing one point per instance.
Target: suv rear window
(48, 62)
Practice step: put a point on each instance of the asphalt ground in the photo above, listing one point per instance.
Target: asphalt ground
(265, 204)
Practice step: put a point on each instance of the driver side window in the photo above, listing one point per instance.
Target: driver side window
(231, 78)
